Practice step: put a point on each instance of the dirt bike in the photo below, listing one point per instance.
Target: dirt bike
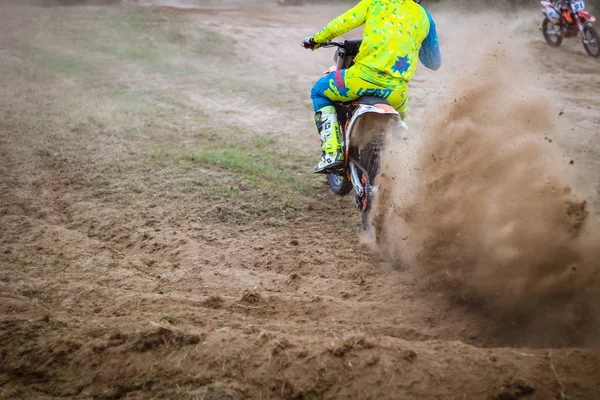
(363, 124)
(566, 21)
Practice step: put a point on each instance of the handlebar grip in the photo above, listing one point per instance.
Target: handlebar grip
(308, 42)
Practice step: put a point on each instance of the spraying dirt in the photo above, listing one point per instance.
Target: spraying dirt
(486, 210)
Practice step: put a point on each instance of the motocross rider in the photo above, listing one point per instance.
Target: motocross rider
(561, 4)
(396, 33)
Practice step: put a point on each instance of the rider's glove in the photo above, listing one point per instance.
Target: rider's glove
(309, 43)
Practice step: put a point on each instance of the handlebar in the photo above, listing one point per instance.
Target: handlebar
(350, 46)
(331, 43)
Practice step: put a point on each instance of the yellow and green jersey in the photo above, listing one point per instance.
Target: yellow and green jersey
(397, 33)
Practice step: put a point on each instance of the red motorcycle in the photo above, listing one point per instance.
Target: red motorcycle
(565, 19)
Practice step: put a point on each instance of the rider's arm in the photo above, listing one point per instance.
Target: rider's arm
(430, 54)
(351, 19)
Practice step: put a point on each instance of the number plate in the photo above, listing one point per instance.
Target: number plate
(578, 6)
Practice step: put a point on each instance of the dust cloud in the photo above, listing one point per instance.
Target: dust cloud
(484, 209)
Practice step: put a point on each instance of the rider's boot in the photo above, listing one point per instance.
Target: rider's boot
(329, 130)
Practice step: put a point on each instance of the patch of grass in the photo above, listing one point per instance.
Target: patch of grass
(246, 177)
(174, 32)
(130, 53)
(64, 64)
(130, 23)
(216, 302)
(255, 166)
(348, 344)
(267, 87)
(174, 68)
(211, 187)
(212, 42)
(289, 204)
(130, 99)
(167, 319)
(251, 296)
(261, 142)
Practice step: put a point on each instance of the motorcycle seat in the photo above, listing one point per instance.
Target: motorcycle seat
(371, 100)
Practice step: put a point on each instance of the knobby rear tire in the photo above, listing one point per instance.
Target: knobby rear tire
(370, 160)
(553, 43)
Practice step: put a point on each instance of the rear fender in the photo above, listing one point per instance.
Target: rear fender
(369, 111)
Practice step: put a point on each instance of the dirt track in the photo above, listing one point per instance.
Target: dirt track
(161, 236)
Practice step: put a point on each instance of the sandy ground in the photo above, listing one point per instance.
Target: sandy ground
(161, 235)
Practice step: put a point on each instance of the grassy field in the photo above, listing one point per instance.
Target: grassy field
(133, 88)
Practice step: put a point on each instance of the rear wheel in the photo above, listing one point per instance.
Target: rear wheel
(551, 32)
(370, 159)
(339, 184)
(591, 42)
